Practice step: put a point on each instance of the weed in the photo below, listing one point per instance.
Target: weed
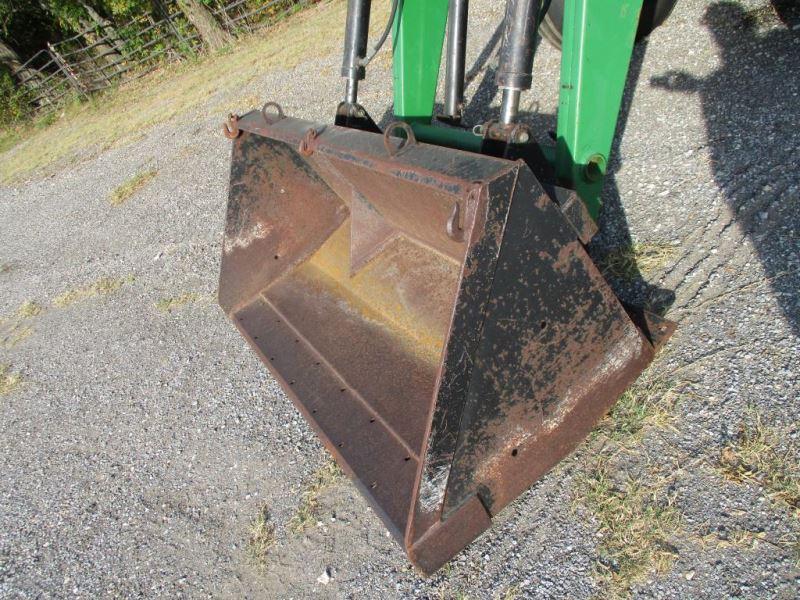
(13, 333)
(649, 402)
(306, 514)
(754, 456)
(5, 268)
(511, 593)
(29, 309)
(636, 520)
(15, 329)
(262, 535)
(167, 305)
(8, 381)
(127, 189)
(628, 262)
(101, 287)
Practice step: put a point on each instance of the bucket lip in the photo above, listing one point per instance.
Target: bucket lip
(333, 141)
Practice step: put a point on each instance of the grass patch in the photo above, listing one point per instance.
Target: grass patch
(13, 333)
(649, 402)
(126, 190)
(754, 456)
(167, 305)
(120, 115)
(636, 521)
(262, 535)
(645, 258)
(308, 510)
(15, 329)
(29, 309)
(101, 287)
(8, 381)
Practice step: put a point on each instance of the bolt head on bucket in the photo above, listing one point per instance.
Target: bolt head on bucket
(431, 312)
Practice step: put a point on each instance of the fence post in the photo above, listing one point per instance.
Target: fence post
(68, 73)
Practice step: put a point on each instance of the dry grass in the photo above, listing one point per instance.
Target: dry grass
(121, 115)
(649, 402)
(5, 268)
(29, 309)
(307, 512)
(628, 262)
(167, 305)
(126, 190)
(13, 333)
(8, 381)
(15, 329)
(636, 521)
(101, 287)
(262, 536)
(755, 456)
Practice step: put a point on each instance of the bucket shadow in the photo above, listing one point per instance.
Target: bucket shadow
(751, 104)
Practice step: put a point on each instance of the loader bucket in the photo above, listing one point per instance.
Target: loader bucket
(431, 312)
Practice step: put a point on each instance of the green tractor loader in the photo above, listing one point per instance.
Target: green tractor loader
(423, 292)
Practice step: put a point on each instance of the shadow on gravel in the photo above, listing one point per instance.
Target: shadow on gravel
(751, 104)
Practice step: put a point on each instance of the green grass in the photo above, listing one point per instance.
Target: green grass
(167, 305)
(129, 188)
(755, 456)
(101, 287)
(8, 381)
(307, 512)
(649, 402)
(121, 115)
(636, 522)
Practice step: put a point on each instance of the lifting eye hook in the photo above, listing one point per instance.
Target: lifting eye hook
(231, 128)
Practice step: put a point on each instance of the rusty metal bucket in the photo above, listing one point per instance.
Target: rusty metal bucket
(431, 312)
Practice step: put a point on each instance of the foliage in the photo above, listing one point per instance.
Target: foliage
(14, 104)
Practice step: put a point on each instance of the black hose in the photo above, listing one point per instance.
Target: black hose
(393, 11)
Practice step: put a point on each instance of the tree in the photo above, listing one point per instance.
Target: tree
(214, 36)
(11, 60)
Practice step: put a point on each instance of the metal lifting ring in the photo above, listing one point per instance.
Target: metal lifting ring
(278, 109)
(410, 138)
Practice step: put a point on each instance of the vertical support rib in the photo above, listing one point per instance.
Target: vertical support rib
(596, 50)
(418, 36)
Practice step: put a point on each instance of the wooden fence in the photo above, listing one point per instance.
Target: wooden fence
(99, 57)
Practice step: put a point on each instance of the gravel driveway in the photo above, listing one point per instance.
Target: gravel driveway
(140, 439)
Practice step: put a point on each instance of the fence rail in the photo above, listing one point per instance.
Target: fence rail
(100, 56)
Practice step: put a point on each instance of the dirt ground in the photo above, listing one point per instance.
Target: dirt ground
(145, 451)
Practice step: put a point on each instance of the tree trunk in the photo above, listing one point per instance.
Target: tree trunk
(26, 76)
(106, 26)
(214, 36)
(96, 31)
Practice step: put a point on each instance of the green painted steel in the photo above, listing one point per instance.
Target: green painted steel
(417, 39)
(450, 137)
(596, 47)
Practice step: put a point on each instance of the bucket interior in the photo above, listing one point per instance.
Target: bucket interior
(344, 280)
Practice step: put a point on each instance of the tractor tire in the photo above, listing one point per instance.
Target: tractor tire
(654, 13)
